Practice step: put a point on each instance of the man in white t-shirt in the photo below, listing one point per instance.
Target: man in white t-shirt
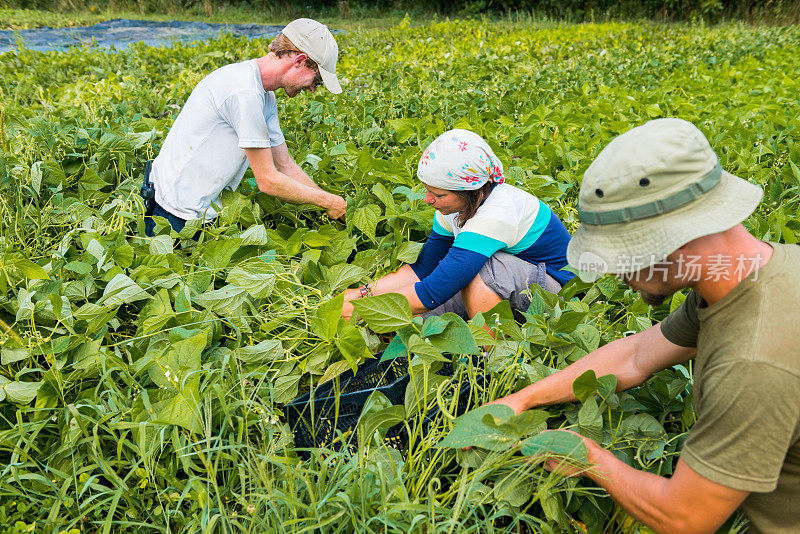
(230, 121)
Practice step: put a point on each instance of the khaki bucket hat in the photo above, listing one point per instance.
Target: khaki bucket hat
(649, 192)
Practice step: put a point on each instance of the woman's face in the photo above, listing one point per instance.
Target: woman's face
(443, 200)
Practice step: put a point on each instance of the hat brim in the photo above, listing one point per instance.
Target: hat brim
(627, 247)
(331, 81)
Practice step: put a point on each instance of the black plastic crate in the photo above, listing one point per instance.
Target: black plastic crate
(316, 421)
(314, 417)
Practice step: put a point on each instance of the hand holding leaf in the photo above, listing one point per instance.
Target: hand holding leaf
(563, 451)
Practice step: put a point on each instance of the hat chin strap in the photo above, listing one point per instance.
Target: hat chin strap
(657, 207)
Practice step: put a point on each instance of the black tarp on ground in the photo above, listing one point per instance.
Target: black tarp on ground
(121, 32)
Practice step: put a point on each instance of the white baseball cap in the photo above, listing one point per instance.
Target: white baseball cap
(316, 40)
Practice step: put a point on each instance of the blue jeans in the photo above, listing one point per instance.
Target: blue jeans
(149, 224)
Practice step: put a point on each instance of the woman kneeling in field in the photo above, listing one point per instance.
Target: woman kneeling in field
(490, 240)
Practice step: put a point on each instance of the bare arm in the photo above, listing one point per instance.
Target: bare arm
(285, 164)
(686, 503)
(279, 185)
(401, 281)
(631, 359)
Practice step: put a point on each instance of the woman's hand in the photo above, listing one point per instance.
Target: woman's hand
(347, 307)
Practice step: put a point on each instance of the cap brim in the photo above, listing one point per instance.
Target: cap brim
(331, 81)
(628, 247)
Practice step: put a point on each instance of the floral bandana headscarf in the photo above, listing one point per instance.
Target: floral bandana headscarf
(459, 160)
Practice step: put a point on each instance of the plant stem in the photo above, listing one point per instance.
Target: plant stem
(10, 331)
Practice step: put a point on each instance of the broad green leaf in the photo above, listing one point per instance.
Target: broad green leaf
(316, 239)
(556, 443)
(325, 322)
(585, 385)
(29, 269)
(676, 300)
(481, 336)
(10, 354)
(408, 251)
(590, 420)
(255, 277)
(89, 355)
(569, 320)
(217, 254)
(477, 492)
(608, 286)
(122, 290)
(124, 255)
(95, 315)
(514, 488)
(395, 349)
(500, 313)
(637, 323)
(334, 370)
(36, 176)
(606, 385)
(79, 267)
(351, 344)
(178, 361)
(551, 505)
(157, 313)
(343, 275)
(3, 382)
(385, 464)
(642, 423)
(539, 304)
(341, 246)
(366, 219)
(433, 325)
(225, 301)
(384, 196)
(456, 338)
(425, 351)
(384, 313)
(587, 337)
(471, 430)
(21, 392)
(171, 407)
(255, 235)
(383, 419)
(285, 388)
(404, 129)
(268, 350)
(338, 150)
(528, 422)
(161, 244)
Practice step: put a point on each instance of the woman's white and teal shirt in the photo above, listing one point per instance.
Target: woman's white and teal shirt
(509, 220)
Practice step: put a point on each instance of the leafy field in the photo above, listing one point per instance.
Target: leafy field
(141, 386)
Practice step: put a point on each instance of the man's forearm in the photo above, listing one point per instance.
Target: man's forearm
(401, 281)
(686, 503)
(297, 174)
(615, 358)
(286, 188)
(643, 495)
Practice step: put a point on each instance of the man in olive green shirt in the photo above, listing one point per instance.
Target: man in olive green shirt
(658, 210)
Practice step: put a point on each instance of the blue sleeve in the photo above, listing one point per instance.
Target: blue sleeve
(452, 275)
(551, 248)
(433, 251)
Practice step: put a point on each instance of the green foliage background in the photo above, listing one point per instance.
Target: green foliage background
(142, 385)
(770, 11)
